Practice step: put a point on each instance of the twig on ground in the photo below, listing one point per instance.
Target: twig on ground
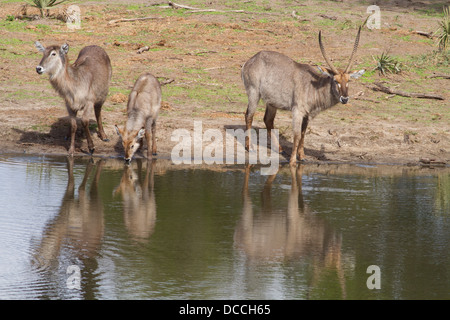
(327, 17)
(181, 6)
(214, 10)
(439, 75)
(255, 30)
(199, 10)
(383, 88)
(140, 50)
(133, 19)
(199, 53)
(423, 33)
(166, 81)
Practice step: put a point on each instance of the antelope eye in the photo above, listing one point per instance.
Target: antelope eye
(132, 146)
(53, 54)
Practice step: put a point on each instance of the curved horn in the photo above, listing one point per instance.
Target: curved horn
(355, 48)
(325, 55)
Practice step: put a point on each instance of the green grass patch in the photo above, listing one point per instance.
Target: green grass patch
(11, 41)
(27, 94)
(434, 9)
(13, 26)
(425, 64)
(43, 28)
(40, 128)
(114, 90)
(192, 70)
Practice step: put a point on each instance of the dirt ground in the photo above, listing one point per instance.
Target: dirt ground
(201, 54)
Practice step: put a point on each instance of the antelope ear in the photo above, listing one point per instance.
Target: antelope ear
(119, 132)
(325, 72)
(39, 46)
(357, 74)
(141, 134)
(64, 48)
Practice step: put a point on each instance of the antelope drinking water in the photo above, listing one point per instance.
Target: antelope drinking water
(143, 107)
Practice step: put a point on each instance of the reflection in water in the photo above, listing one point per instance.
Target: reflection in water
(305, 233)
(277, 234)
(77, 230)
(139, 205)
(79, 221)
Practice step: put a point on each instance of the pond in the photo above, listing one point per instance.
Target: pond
(98, 229)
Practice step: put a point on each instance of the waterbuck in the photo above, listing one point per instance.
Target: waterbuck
(138, 196)
(285, 84)
(83, 85)
(143, 107)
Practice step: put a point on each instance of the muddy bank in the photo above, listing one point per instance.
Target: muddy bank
(324, 143)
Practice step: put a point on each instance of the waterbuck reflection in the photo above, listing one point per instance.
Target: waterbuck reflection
(274, 234)
(139, 205)
(79, 223)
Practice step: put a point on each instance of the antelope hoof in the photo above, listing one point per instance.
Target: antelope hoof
(102, 136)
(91, 151)
(301, 157)
(154, 154)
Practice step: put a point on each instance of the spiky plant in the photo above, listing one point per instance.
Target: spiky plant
(44, 4)
(387, 64)
(444, 30)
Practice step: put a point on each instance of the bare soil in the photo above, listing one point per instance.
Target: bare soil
(203, 52)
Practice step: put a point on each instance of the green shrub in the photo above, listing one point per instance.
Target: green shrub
(44, 4)
(444, 30)
(387, 64)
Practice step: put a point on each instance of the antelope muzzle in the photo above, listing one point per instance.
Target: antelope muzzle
(39, 69)
(343, 100)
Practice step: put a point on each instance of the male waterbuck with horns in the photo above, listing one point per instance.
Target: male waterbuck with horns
(285, 84)
(83, 85)
(143, 107)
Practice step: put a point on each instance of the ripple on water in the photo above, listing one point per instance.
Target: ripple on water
(29, 192)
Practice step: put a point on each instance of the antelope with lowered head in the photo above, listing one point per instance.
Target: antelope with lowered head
(285, 84)
(143, 107)
(83, 85)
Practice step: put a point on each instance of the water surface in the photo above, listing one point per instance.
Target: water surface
(98, 229)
